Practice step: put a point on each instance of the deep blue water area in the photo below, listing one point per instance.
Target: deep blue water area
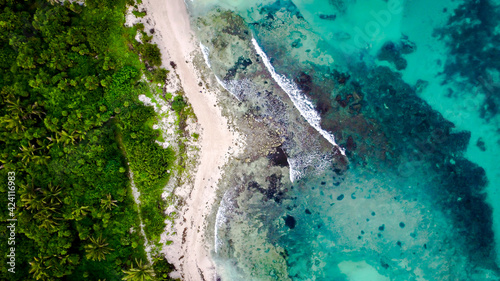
(410, 90)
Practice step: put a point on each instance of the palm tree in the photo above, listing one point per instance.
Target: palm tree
(62, 265)
(143, 272)
(64, 137)
(43, 215)
(27, 153)
(32, 203)
(97, 249)
(108, 202)
(51, 194)
(28, 191)
(52, 141)
(32, 110)
(78, 134)
(14, 107)
(80, 212)
(39, 269)
(40, 159)
(36, 199)
(67, 138)
(50, 207)
(47, 220)
(12, 122)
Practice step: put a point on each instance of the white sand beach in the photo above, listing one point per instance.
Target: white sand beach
(190, 252)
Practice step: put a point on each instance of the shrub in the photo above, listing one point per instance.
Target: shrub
(151, 53)
(178, 104)
(139, 14)
(140, 26)
(160, 75)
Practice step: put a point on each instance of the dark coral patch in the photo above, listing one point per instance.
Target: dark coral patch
(350, 144)
(278, 158)
(290, 221)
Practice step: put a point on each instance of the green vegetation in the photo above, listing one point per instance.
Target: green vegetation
(178, 104)
(139, 14)
(150, 164)
(151, 54)
(97, 249)
(70, 121)
(140, 26)
(159, 75)
(141, 272)
(146, 39)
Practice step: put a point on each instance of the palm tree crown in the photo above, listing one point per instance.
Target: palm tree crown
(143, 272)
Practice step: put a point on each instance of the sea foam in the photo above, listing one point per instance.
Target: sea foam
(227, 86)
(221, 219)
(300, 164)
(303, 105)
(205, 51)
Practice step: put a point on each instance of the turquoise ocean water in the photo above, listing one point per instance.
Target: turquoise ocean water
(410, 92)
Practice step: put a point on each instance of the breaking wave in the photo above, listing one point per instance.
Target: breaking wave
(303, 105)
(221, 219)
(205, 51)
(300, 165)
(227, 87)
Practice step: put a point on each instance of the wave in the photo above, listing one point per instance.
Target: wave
(300, 164)
(205, 51)
(294, 173)
(303, 105)
(221, 219)
(227, 87)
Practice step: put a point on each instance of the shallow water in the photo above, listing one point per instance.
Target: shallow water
(410, 92)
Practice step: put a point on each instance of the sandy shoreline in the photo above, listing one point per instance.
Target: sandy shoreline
(190, 251)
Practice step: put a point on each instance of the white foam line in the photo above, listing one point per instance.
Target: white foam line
(305, 106)
(216, 230)
(226, 87)
(205, 51)
(293, 173)
(220, 219)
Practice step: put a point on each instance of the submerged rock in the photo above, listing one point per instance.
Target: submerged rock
(290, 221)
(278, 157)
(480, 144)
(327, 17)
(392, 53)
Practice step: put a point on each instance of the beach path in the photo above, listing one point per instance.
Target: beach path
(177, 43)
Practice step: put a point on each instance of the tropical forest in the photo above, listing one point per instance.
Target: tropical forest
(71, 131)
